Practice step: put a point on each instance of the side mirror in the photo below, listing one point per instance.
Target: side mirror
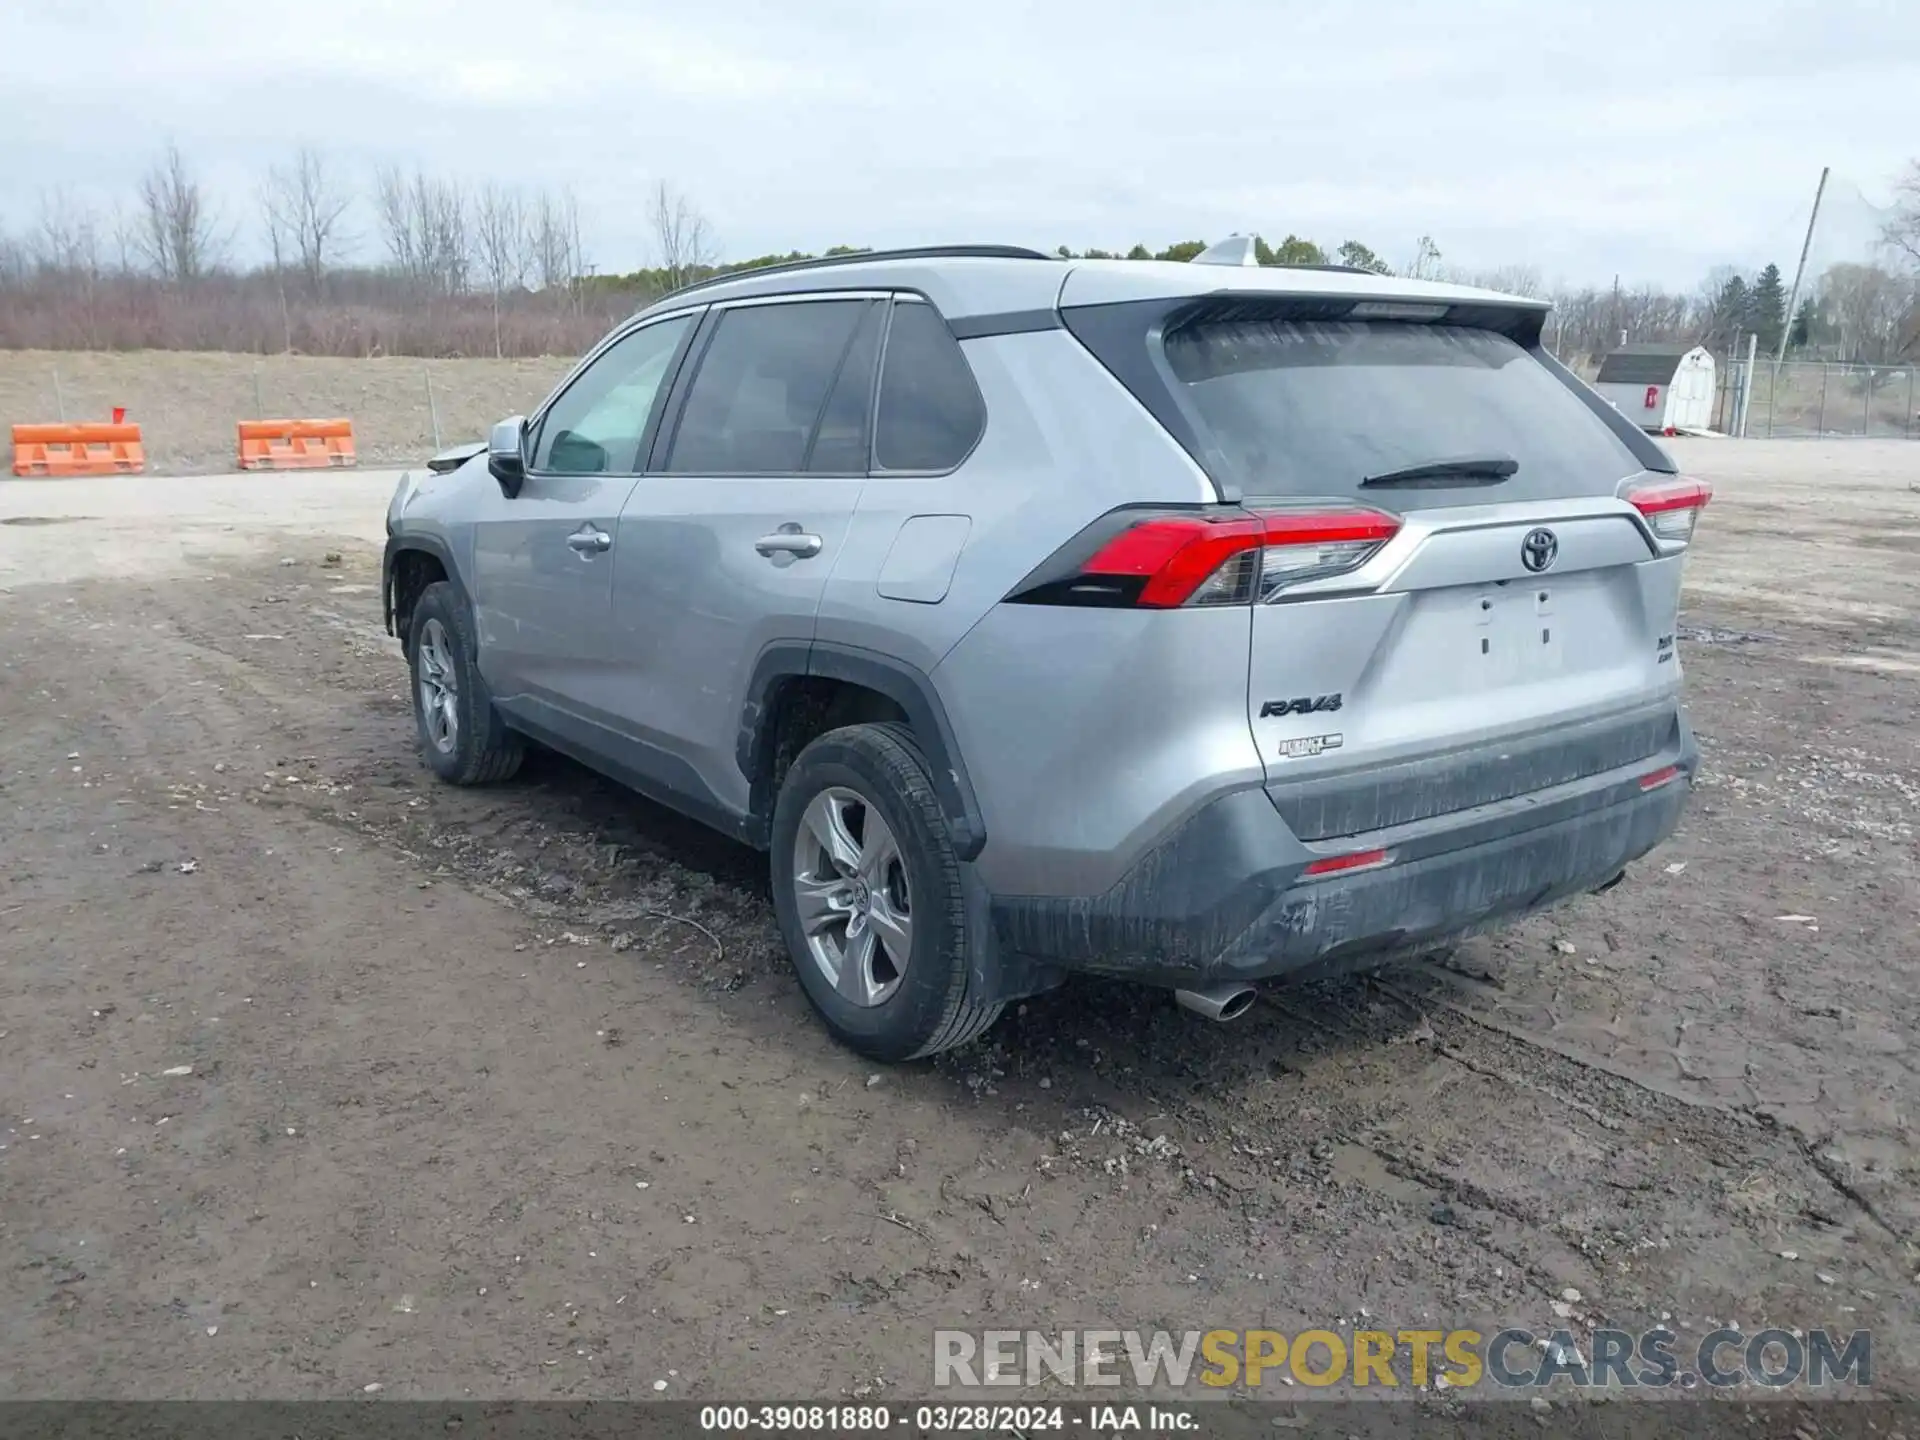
(506, 455)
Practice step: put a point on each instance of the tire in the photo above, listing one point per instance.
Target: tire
(478, 748)
(884, 1010)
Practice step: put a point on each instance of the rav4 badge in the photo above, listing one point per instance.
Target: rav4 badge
(1300, 705)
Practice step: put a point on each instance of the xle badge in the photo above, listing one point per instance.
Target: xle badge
(1308, 746)
(1299, 705)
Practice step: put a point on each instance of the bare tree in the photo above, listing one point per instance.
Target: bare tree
(306, 205)
(279, 222)
(681, 237)
(424, 225)
(64, 247)
(66, 237)
(126, 230)
(1508, 279)
(582, 265)
(1587, 321)
(395, 218)
(472, 271)
(13, 260)
(177, 231)
(1426, 259)
(444, 211)
(1867, 313)
(505, 243)
(1902, 231)
(557, 261)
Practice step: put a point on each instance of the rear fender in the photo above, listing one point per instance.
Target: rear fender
(992, 973)
(900, 682)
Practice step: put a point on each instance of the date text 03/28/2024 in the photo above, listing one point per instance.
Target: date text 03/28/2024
(940, 1419)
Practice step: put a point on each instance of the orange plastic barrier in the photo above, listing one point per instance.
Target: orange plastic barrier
(78, 450)
(296, 444)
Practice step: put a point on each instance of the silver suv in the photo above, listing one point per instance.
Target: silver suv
(1192, 623)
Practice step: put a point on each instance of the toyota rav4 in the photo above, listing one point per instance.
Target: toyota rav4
(1192, 623)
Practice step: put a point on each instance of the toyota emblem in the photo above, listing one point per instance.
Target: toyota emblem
(1538, 550)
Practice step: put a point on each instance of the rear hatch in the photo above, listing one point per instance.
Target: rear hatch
(1466, 579)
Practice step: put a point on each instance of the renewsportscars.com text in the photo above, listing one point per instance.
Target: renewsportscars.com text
(1453, 1359)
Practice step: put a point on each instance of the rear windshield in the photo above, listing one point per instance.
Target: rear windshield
(1313, 407)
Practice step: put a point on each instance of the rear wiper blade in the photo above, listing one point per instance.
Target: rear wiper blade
(1486, 469)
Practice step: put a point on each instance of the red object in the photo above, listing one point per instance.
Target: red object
(1653, 396)
(119, 414)
(1180, 553)
(1358, 860)
(1670, 495)
(1672, 508)
(1660, 777)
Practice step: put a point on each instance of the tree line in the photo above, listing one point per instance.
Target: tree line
(420, 264)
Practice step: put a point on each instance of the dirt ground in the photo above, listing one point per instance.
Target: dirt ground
(510, 1093)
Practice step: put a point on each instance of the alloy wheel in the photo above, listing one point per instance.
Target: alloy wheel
(439, 688)
(850, 891)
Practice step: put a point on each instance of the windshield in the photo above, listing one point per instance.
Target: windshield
(1314, 407)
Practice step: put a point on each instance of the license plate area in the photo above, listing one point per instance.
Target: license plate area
(1516, 633)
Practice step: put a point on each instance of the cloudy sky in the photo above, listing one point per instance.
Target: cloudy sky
(1649, 138)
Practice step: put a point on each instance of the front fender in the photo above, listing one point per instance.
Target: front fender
(419, 543)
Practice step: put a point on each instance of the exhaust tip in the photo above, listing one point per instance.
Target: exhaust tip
(1218, 1003)
(1241, 1002)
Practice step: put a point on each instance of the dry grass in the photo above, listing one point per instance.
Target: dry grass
(188, 402)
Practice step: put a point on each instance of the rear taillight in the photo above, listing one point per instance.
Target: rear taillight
(1297, 548)
(1163, 561)
(1672, 508)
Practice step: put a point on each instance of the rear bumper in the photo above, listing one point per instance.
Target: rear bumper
(1226, 897)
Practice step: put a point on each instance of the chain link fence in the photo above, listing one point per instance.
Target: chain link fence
(1815, 399)
(187, 403)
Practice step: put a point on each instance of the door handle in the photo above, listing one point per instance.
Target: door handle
(590, 541)
(789, 540)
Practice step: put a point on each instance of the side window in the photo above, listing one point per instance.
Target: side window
(843, 442)
(931, 413)
(761, 387)
(596, 425)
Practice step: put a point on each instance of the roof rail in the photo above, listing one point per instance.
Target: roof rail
(856, 257)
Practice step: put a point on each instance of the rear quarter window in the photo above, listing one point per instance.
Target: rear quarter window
(930, 415)
(1300, 407)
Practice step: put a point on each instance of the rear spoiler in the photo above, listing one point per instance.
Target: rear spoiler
(1519, 319)
(454, 456)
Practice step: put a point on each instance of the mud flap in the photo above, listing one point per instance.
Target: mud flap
(993, 972)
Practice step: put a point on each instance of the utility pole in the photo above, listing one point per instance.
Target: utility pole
(1746, 386)
(1799, 272)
